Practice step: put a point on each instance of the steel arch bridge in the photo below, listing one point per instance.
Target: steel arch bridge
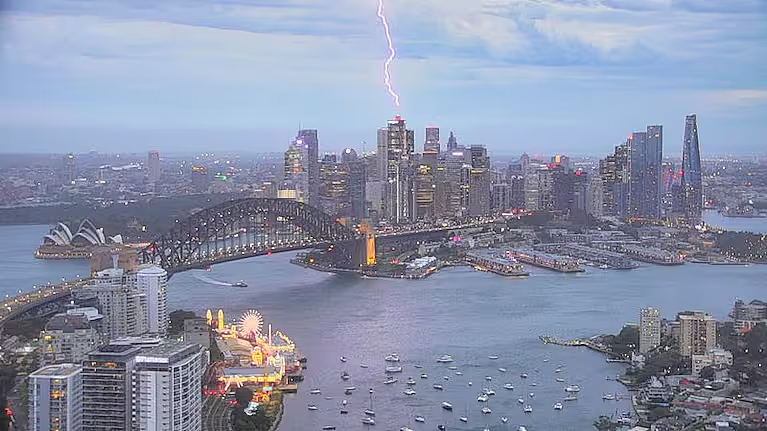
(243, 228)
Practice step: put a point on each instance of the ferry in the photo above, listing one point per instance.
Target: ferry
(240, 284)
(445, 359)
(447, 406)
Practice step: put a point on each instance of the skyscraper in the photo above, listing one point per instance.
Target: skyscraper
(452, 143)
(107, 388)
(614, 171)
(431, 145)
(645, 158)
(649, 329)
(479, 182)
(692, 183)
(296, 175)
(153, 167)
(167, 387)
(399, 202)
(309, 139)
(55, 398)
(697, 333)
(152, 281)
(68, 172)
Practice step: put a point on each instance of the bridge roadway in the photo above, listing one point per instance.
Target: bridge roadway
(12, 307)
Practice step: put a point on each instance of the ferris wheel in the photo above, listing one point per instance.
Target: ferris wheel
(251, 324)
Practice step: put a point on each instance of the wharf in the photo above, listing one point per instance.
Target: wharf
(543, 260)
(578, 342)
(652, 255)
(497, 265)
(603, 257)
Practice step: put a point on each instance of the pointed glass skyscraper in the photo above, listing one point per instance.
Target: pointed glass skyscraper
(692, 182)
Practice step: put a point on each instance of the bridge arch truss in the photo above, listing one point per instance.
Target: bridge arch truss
(242, 228)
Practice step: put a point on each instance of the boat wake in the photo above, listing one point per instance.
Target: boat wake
(209, 280)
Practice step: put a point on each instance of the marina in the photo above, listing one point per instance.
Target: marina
(544, 260)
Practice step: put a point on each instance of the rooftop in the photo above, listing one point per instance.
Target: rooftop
(57, 371)
(169, 351)
(68, 322)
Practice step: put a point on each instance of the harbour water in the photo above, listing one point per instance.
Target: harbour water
(458, 311)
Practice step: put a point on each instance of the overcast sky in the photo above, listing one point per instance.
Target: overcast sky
(568, 76)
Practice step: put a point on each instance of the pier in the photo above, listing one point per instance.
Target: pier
(487, 261)
(652, 255)
(611, 259)
(578, 342)
(543, 260)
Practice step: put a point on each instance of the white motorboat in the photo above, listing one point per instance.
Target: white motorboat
(545, 359)
(486, 410)
(445, 359)
(363, 365)
(350, 388)
(523, 375)
(344, 402)
(463, 419)
(419, 366)
(410, 381)
(424, 376)
(369, 412)
(368, 421)
(488, 378)
(528, 409)
(489, 392)
(315, 392)
(521, 428)
(343, 359)
(312, 407)
(520, 400)
(573, 388)
(405, 429)
(392, 358)
(437, 386)
(345, 376)
(470, 383)
(560, 380)
(570, 398)
(504, 419)
(409, 392)
(508, 386)
(447, 406)
(533, 384)
(393, 369)
(445, 378)
(503, 370)
(420, 419)
(452, 367)
(532, 394)
(482, 398)
(328, 398)
(389, 380)
(608, 397)
(558, 370)
(493, 357)
(558, 406)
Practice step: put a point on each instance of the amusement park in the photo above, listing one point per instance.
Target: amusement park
(248, 354)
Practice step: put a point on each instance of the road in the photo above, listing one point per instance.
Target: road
(215, 414)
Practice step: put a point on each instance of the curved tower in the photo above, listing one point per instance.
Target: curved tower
(692, 183)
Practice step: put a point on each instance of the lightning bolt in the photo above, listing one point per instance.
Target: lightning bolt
(392, 53)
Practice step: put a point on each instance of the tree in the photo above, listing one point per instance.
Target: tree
(707, 373)
(603, 423)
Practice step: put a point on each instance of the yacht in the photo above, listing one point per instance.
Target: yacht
(508, 386)
(343, 359)
(368, 421)
(482, 398)
(573, 388)
(532, 394)
(520, 400)
(409, 392)
(405, 429)
(410, 381)
(240, 284)
(424, 376)
(345, 376)
(470, 383)
(463, 419)
(452, 367)
(445, 359)
(488, 378)
(389, 380)
(486, 410)
(350, 388)
(521, 428)
(608, 397)
(328, 427)
(437, 386)
(528, 409)
(344, 402)
(560, 380)
(315, 392)
(489, 392)
(447, 406)
(458, 373)
(312, 407)
(363, 365)
(558, 370)
(493, 357)
(558, 406)
(420, 419)
(503, 370)
(570, 398)
(546, 360)
(369, 412)
(418, 366)
(344, 412)
(504, 419)
(445, 378)
(328, 398)
(441, 427)
(347, 392)
(392, 358)
(523, 375)
(393, 369)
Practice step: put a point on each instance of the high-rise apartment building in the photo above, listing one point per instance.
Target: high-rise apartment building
(692, 181)
(697, 333)
(55, 398)
(614, 171)
(166, 387)
(123, 307)
(645, 158)
(153, 167)
(108, 389)
(431, 145)
(399, 202)
(67, 338)
(539, 188)
(425, 187)
(152, 282)
(309, 139)
(479, 181)
(68, 171)
(296, 170)
(649, 329)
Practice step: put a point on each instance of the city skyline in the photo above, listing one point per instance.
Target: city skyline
(537, 71)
